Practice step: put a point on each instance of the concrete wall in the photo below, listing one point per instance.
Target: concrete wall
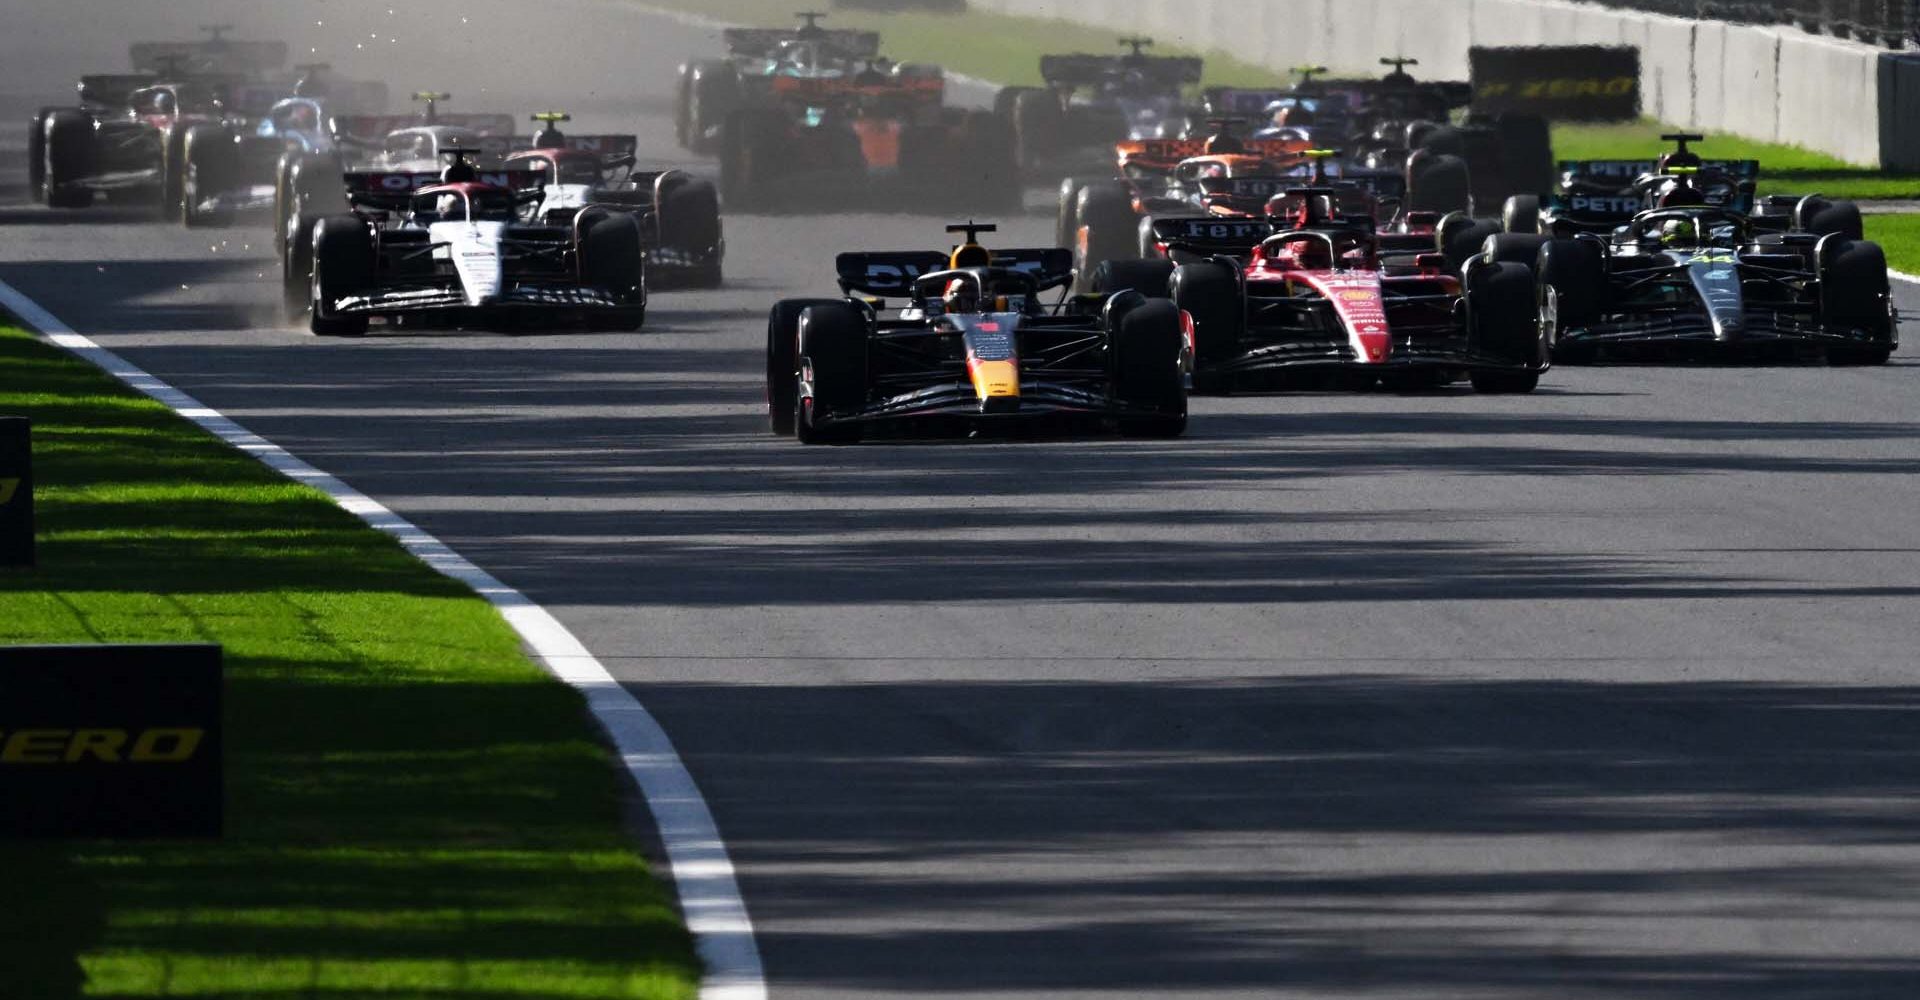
(1779, 84)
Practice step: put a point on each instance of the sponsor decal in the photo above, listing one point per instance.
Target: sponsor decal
(1572, 82)
(1607, 204)
(110, 741)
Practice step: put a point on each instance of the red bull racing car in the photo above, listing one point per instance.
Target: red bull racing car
(971, 341)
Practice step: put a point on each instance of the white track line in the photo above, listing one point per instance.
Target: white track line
(1911, 279)
(696, 857)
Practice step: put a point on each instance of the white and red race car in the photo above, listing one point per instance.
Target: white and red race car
(450, 249)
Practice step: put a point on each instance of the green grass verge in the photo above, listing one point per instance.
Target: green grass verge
(414, 808)
(1783, 169)
(1899, 235)
(997, 47)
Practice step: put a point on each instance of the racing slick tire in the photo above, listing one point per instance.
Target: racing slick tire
(1501, 320)
(832, 345)
(1438, 182)
(296, 269)
(173, 174)
(1821, 217)
(1107, 228)
(1149, 241)
(209, 162)
(611, 260)
(1210, 292)
(690, 218)
(1576, 271)
(1854, 292)
(69, 158)
(310, 186)
(709, 95)
(1151, 278)
(37, 157)
(1066, 223)
(342, 266)
(1038, 122)
(1459, 237)
(1514, 248)
(1146, 353)
(1440, 140)
(1521, 214)
(783, 365)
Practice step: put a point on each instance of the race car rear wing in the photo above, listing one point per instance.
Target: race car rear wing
(374, 128)
(391, 189)
(1082, 70)
(218, 55)
(761, 42)
(1211, 235)
(111, 90)
(1621, 173)
(604, 145)
(1171, 151)
(898, 88)
(894, 272)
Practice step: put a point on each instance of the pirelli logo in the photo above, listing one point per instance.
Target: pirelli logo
(111, 741)
(100, 746)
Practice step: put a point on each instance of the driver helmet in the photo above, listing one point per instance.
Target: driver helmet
(1225, 143)
(302, 117)
(1678, 232)
(960, 296)
(447, 207)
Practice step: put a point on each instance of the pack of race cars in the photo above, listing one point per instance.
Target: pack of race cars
(1339, 232)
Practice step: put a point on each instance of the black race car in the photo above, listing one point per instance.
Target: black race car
(972, 342)
(1701, 282)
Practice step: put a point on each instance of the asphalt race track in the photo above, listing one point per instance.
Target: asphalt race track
(1604, 692)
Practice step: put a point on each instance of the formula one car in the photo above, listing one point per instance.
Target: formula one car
(128, 136)
(1315, 296)
(1451, 157)
(451, 249)
(1090, 102)
(711, 90)
(973, 343)
(1222, 175)
(1701, 282)
(818, 116)
(679, 214)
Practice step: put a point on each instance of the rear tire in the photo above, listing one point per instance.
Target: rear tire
(69, 159)
(1038, 124)
(210, 163)
(833, 345)
(690, 220)
(343, 265)
(1105, 216)
(712, 95)
(1438, 183)
(1521, 214)
(1146, 351)
(1210, 292)
(296, 269)
(611, 261)
(37, 157)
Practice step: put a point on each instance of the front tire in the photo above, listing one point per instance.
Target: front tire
(1107, 228)
(343, 265)
(1210, 292)
(832, 346)
(1146, 351)
(783, 365)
